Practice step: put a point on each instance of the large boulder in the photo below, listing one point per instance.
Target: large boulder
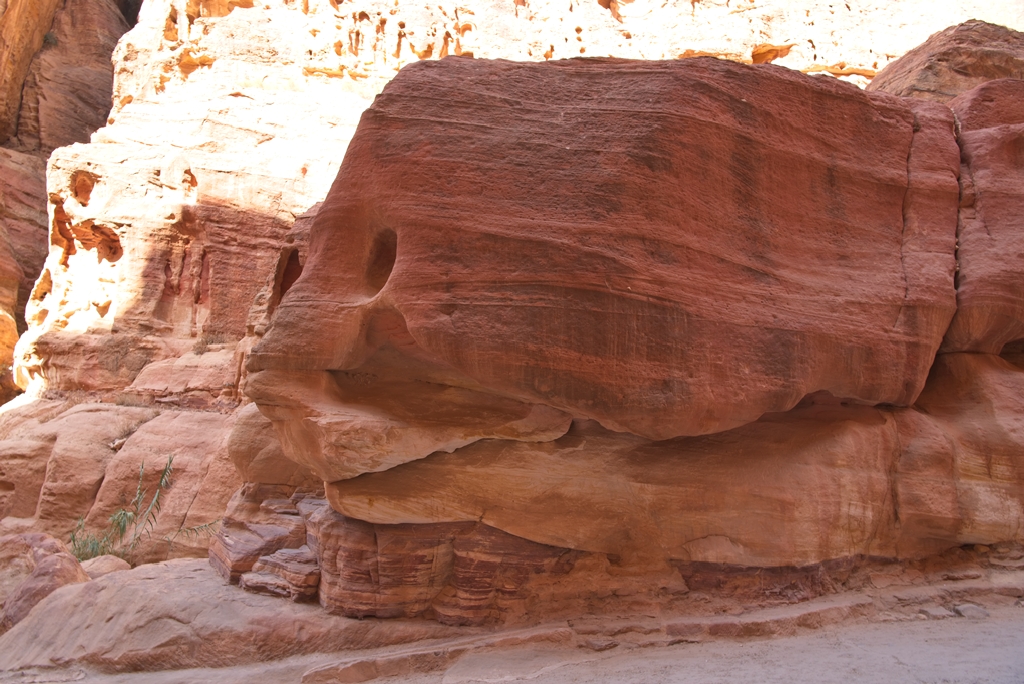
(678, 261)
(954, 61)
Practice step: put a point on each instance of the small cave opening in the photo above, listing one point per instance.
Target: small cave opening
(1013, 352)
(291, 273)
(383, 253)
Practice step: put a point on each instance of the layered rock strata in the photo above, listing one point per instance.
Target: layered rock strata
(768, 238)
(842, 435)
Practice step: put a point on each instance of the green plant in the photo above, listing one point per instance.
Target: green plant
(129, 525)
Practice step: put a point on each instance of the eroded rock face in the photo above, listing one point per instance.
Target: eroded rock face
(990, 237)
(32, 566)
(727, 296)
(70, 81)
(118, 623)
(954, 61)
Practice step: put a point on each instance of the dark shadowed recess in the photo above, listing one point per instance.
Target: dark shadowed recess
(130, 10)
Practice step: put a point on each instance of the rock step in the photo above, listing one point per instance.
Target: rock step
(294, 573)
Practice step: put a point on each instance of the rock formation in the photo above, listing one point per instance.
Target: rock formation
(954, 61)
(560, 336)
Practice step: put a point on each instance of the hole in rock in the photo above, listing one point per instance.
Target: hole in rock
(292, 271)
(82, 183)
(382, 259)
(1014, 353)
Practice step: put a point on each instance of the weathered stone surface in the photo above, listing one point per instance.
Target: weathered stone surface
(202, 378)
(468, 573)
(202, 481)
(23, 217)
(372, 419)
(259, 520)
(255, 450)
(292, 573)
(790, 489)
(23, 24)
(32, 566)
(180, 614)
(104, 565)
(976, 400)
(954, 61)
(990, 250)
(69, 83)
(54, 467)
(679, 310)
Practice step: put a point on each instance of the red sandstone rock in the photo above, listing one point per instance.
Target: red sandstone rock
(255, 450)
(790, 489)
(954, 61)
(293, 573)
(659, 268)
(70, 82)
(23, 24)
(203, 481)
(104, 565)
(23, 215)
(461, 573)
(990, 253)
(259, 520)
(976, 400)
(180, 614)
(32, 566)
(54, 465)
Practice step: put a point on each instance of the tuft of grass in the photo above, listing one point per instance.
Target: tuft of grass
(129, 525)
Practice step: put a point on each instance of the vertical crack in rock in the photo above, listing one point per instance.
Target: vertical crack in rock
(906, 217)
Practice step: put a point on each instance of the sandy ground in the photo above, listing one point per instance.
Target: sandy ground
(948, 651)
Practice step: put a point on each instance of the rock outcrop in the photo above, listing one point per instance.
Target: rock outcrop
(681, 316)
(32, 566)
(560, 337)
(990, 237)
(954, 61)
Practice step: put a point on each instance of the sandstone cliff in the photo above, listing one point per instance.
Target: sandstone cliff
(556, 328)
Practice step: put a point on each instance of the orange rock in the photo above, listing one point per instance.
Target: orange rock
(976, 400)
(23, 25)
(954, 61)
(791, 489)
(259, 520)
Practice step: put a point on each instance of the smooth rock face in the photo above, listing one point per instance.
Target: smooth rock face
(696, 274)
(32, 566)
(104, 565)
(53, 467)
(599, 491)
(118, 623)
(954, 61)
(990, 252)
(976, 399)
